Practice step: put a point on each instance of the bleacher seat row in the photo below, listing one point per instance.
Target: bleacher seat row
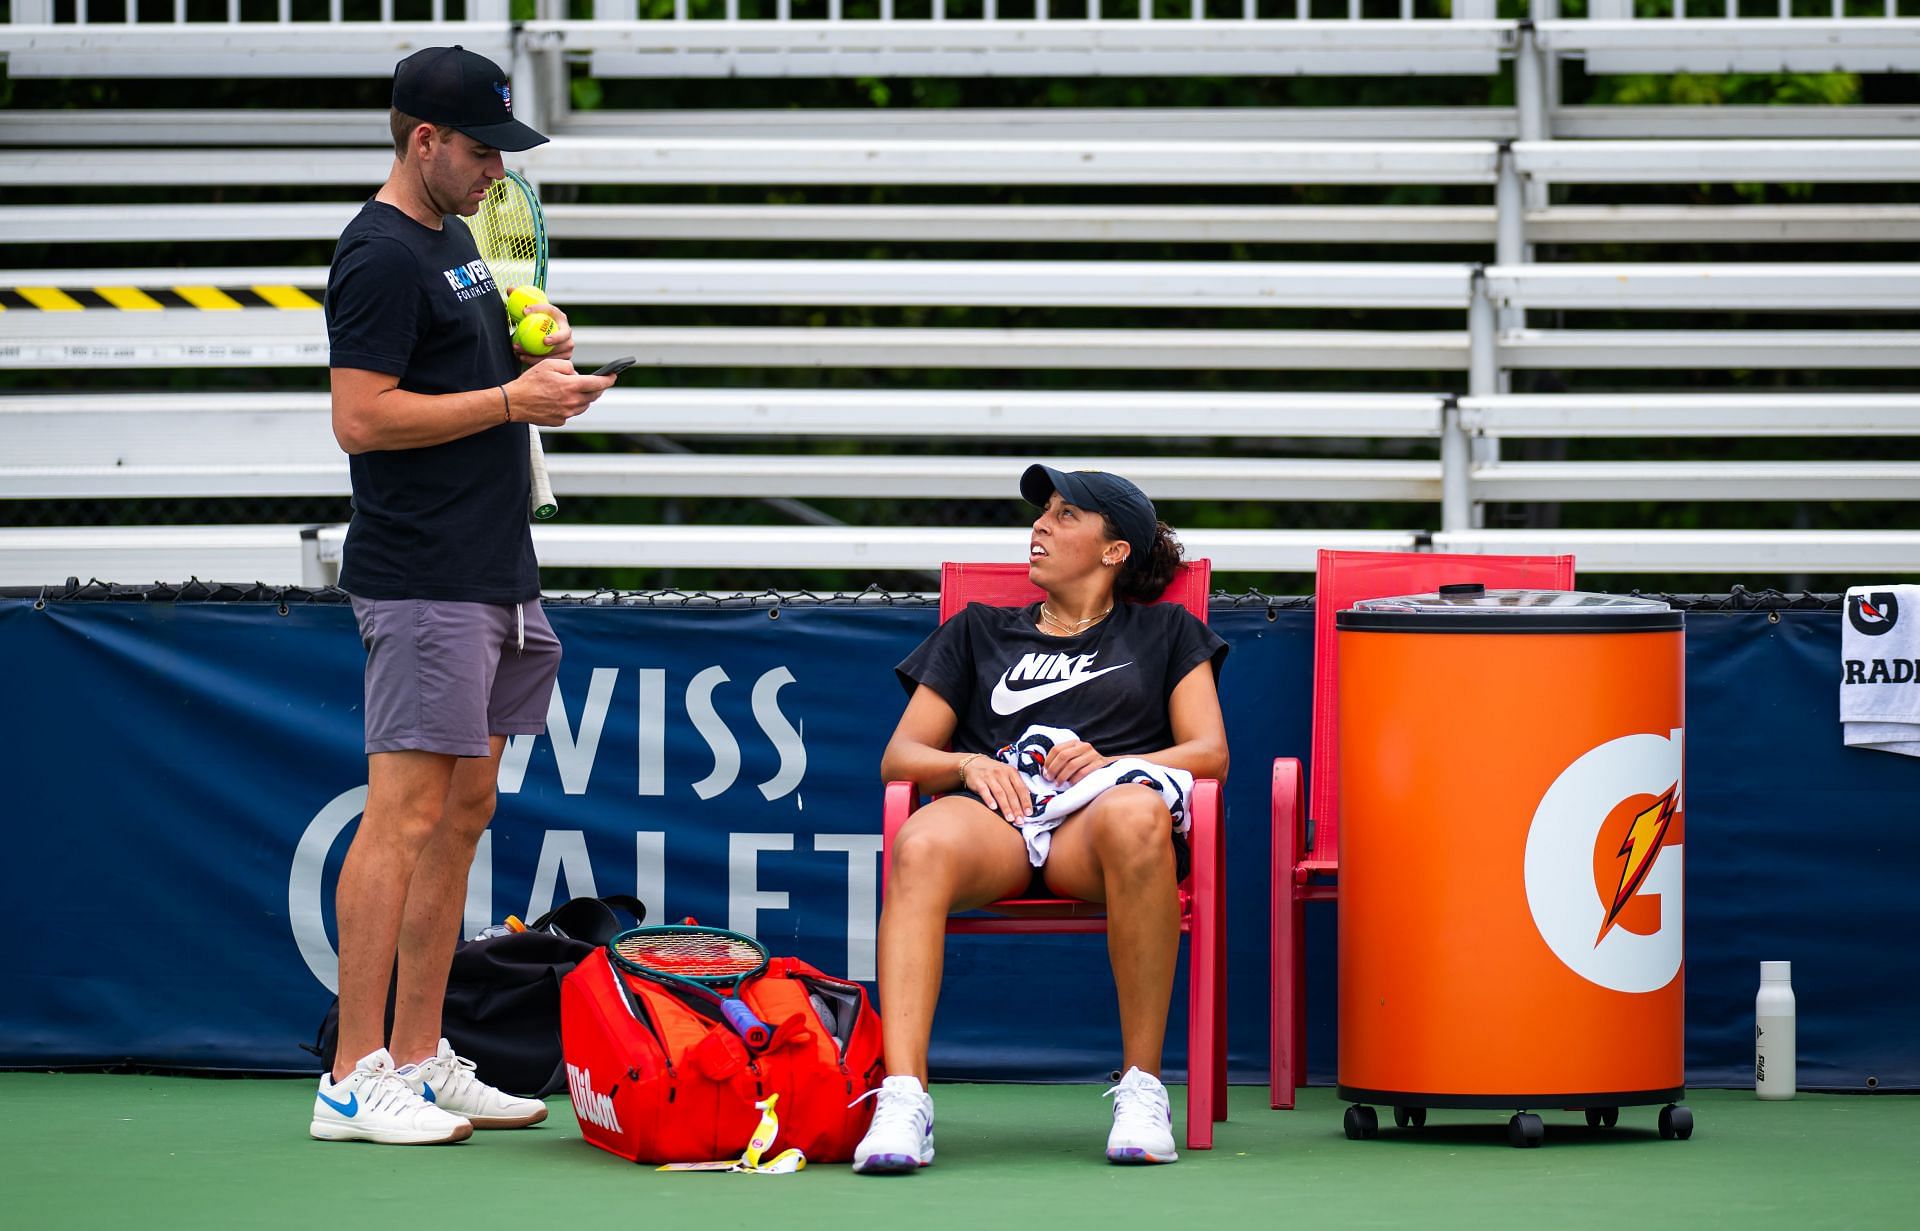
(1497, 311)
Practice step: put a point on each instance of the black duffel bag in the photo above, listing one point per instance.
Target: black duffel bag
(503, 995)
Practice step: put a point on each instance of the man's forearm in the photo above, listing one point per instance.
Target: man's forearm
(398, 419)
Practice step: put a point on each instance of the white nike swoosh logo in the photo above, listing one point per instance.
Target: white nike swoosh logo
(1012, 700)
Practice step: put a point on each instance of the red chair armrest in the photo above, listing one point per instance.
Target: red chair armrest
(1289, 811)
(1207, 836)
(902, 799)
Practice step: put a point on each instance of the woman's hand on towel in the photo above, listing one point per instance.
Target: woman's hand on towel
(999, 786)
(1073, 760)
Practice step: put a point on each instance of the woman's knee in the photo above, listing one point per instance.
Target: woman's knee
(922, 851)
(1134, 827)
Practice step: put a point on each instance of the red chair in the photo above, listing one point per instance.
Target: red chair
(1203, 915)
(1306, 840)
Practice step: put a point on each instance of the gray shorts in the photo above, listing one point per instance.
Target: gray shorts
(443, 676)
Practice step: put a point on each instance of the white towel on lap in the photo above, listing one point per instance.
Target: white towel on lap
(1880, 669)
(1052, 804)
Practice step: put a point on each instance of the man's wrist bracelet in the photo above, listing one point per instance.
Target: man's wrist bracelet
(505, 405)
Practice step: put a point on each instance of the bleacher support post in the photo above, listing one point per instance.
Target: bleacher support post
(530, 88)
(1510, 226)
(1531, 101)
(1548, 10)
(1456, 464)
(1458, 508)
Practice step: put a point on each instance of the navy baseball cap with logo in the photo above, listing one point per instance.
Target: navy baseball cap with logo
(466, 92)
(1097, 492)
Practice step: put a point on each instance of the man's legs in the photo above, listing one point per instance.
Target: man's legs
(435, 897)
(406, 798)
(365, 1098)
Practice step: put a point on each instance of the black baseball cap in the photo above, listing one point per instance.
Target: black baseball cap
(1097, 492)
(463, 90)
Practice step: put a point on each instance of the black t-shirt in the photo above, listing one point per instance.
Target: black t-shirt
(1110, 684)
(448, 521)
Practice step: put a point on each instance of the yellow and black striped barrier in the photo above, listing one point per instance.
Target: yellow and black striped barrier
(153, 299)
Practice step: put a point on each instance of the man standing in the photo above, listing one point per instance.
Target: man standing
(432, 405)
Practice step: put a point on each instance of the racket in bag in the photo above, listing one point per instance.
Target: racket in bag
(660, 1077)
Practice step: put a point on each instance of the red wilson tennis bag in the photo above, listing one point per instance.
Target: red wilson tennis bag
(656, 1080)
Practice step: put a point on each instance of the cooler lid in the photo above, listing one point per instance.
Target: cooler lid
(1472, 607)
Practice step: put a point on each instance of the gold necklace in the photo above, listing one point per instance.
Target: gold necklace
(1070, 629)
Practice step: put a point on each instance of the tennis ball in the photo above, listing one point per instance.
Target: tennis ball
(524, 297)
(531, 333)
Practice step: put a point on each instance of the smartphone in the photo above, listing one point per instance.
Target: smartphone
(615, 368)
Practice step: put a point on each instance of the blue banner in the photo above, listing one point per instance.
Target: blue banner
(186, 778)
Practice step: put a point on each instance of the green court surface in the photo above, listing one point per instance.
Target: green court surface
(89, 1150)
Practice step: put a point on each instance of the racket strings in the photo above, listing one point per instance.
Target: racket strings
(697, 956)
(507, 234)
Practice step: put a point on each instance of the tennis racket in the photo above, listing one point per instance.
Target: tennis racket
(705, 964)
(510, 231)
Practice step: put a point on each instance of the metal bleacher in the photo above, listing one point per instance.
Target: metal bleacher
(1430, 450)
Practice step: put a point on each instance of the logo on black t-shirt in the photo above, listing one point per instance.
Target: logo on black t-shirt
(1061, 673)
(469, 280)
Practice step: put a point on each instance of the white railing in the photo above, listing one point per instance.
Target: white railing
(1062, 11)
(1744, 44)
(1731, 10)
(305, 13)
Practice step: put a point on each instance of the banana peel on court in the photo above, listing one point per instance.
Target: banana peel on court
(749, 1163)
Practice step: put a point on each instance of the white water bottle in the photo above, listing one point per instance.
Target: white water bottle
(1773, 1033)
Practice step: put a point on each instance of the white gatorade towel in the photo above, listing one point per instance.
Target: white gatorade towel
(1880, 669)
(1053, 804)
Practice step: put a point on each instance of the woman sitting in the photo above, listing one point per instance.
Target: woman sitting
(1094, 692)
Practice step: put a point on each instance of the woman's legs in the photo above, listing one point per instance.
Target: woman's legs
(1119, 850)
(952, 855)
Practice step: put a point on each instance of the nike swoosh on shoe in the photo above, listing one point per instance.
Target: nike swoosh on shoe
(349, 1108)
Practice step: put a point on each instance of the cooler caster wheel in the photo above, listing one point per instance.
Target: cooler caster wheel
(1676, 1123)
(1409, 1117)
(1362, 1124)
(1526, 1131)
(1602, 1117)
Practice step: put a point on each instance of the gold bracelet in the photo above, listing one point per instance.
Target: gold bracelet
(965, 761)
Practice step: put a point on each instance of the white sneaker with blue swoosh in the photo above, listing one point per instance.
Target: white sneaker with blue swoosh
(448, 1081)
(374, 1103)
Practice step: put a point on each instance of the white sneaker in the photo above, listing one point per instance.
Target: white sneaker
(374, 1103)
(447, 1080)
(1142, 1121)
(900, 1138)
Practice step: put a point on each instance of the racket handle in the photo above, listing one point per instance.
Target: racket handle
(744, 1023)
(540, 501)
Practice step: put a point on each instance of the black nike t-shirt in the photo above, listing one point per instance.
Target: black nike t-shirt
(448, 521)
(1110, 684)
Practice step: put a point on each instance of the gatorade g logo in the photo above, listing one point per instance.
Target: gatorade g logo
(1583, 883)
(1873, 614)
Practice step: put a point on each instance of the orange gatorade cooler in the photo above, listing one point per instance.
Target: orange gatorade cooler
(1511, 857)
